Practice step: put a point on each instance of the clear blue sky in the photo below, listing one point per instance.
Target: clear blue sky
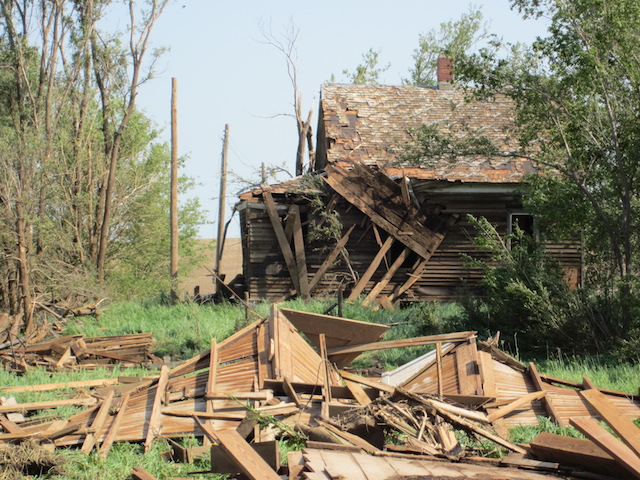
(226, 75)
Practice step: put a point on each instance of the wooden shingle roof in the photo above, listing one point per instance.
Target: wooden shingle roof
(371, 124)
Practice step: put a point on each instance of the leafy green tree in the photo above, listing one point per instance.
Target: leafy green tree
(575, 94)
(453, 38)
(576, 98)
(80, 171)
(369, 70)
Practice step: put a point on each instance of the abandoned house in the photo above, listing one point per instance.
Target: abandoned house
(368, 224)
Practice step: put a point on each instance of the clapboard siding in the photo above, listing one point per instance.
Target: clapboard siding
(268, 277)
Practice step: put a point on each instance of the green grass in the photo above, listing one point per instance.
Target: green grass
(123, 457)
(623, 377)
(185, 330)
(181, 331)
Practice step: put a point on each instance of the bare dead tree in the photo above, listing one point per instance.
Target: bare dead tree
(285, 43)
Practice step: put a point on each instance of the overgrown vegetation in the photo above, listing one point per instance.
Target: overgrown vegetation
(83, 178)
(526, 298)
(574, 94)
(325, 227)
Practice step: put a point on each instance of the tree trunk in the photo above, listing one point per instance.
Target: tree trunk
(23, 269)
(104, 227)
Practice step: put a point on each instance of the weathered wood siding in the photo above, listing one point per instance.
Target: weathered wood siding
(268, 278)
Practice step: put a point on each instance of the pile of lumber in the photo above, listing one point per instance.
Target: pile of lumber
(289, 375)
(78, 351)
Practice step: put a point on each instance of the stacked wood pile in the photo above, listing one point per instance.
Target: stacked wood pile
(267, 381)
(77, 351)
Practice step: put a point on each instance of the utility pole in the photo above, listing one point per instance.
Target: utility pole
(221, 208)
(173, 209)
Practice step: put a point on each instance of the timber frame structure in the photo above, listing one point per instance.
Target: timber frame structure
(403, 228)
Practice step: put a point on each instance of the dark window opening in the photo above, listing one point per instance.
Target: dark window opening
(395, 251)
(523, 222)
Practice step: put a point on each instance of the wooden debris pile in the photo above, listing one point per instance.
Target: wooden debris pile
(78, 351)
(267, 380)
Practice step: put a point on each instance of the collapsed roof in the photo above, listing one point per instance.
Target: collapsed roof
(373, 124)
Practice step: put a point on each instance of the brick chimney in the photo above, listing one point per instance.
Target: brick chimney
(445, 73)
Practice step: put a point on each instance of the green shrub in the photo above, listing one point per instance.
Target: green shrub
(525, 297)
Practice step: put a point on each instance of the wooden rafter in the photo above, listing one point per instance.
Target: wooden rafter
(384, 281)
(281, 236)
(378, 197)
(375, 263)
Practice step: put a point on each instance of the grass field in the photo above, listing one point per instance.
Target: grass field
(185, 330)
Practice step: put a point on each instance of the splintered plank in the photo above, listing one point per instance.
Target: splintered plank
(60, 386)
(358, 393)
(375, 263)
(211, 381)
(610, 444)
(301, 260)
(19, 407)
(9, 426)
(268, 451)
(439, 369)
(153, 428)
(113, 431)
(407, 342)
(326, 369)
(98, 424)
(461, 422)
(548, 404)
(330, 259)
(349, 437)
(515, 405)
(246, 458)
(368, 382)
(386, 278)
(285, 248)
(614, 417)
(291, 392)
(140, 473)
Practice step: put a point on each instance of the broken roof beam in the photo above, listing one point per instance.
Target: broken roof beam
(384, 281)
(407, 342)
(378, 197)
(330, 259)
(375, 263)
(300, 257)
(287, 252)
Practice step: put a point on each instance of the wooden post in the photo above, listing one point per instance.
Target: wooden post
(439, 369)
(221, 206)
(173, 209)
